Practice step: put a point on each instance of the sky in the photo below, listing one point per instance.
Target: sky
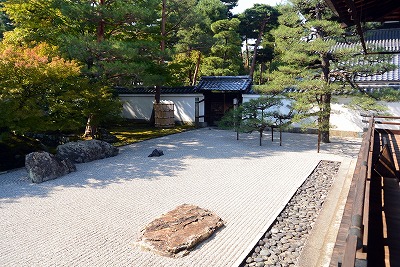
(244, 4)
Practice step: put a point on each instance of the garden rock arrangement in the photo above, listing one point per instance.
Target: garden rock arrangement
(284, 241)
(43, 166)
(179, 230)
(86, 151)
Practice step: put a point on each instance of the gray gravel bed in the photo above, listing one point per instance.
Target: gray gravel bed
(285, 239)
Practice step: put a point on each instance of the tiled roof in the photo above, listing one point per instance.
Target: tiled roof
(152, 90)
(225, 83)
(389, 39)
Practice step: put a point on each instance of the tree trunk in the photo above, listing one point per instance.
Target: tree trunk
(258, 41)
(262, 69)
(325, 117)
(247, 60)
(163, 23)
(325, 102)
(101, 26)
(196, 70)
(157, 96)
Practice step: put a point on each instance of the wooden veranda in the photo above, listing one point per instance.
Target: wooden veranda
(369, 234)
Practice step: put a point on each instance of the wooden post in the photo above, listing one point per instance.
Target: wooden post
(196, 113)
(235, 106)
(272, 133)
(280, 132)
(319, 141)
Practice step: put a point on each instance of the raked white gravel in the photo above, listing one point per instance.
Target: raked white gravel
(93, 217)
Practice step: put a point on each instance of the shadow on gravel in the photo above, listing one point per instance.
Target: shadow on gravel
(133, 161)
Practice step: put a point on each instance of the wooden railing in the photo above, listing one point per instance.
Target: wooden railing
(357, 232)
(357, 237)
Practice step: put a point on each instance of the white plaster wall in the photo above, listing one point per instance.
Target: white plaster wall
(140, 106)
(345, 119)
(342, 117)
(394, 110)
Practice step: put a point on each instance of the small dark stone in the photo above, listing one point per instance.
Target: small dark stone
(156, 153)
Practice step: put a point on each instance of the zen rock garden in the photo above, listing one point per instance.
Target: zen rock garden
(43, 166)
(174, 234)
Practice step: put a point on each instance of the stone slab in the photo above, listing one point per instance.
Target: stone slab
(179, 230)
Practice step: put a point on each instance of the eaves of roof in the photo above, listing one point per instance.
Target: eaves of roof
(225, 83)
(352, 12)
(152, 90)
(389, 41)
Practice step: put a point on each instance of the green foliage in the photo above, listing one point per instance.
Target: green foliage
(40, 91)
(256, 115)
(256, 23)
(5, 23)
(365, 103)
(35, 21)
(116, 41)
(194, 41)
(251, 19)
(387, 95)
(229, 4)
(305, 39)
(182, 68)
(225, 53)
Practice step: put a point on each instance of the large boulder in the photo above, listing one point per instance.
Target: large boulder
(43, 166)
(85, 151)
(176, 232)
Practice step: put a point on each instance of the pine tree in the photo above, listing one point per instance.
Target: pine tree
(114, 39)
(309, 64)
(254, 23)
(195, 40)
(225, 53)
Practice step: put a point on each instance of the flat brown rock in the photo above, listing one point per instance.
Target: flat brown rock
(179, 230)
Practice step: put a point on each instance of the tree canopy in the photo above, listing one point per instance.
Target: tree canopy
(102, 44)
(40, 91)
(309, 63)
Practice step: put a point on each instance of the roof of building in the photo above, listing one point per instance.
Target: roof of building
(152, 90)
(225, 83)
(355, 11)
(387, 39)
